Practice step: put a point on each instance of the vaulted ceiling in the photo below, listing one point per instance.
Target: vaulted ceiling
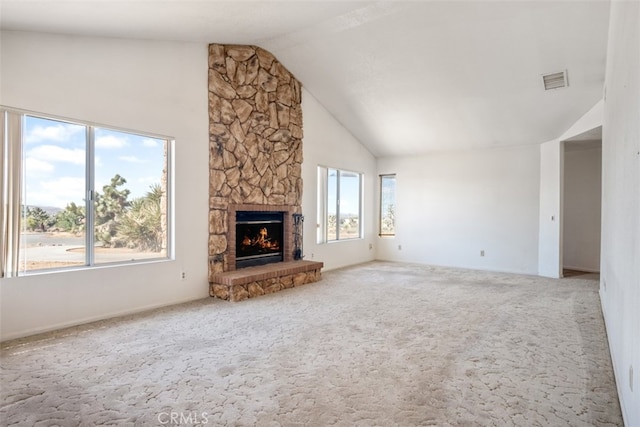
(405, 77)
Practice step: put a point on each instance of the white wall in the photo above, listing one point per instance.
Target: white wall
(590, 120)
(581, 207)
(620, 262)
(550, 238)
(327, 143)
(157, 87)
(452, 205)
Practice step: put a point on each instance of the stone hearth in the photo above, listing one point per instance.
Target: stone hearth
(265, 279)
(255, 147)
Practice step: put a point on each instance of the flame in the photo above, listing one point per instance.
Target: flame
(261, 241)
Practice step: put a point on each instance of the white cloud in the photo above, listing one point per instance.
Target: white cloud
(57, 133)
(35, 166)
(148, 142)
(53, 153)
(132, 159)
(58, 192)
(110, 141)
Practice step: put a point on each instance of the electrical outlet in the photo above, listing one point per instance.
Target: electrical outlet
(482, 252)
(183, 275)
(370, 246)
(399, 247)
(313, 255)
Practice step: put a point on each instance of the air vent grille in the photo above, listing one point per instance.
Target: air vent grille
(555, 80)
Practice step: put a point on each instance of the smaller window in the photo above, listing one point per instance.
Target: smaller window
(339, 205)
(388, 205)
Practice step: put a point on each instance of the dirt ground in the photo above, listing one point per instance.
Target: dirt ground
(41, 265)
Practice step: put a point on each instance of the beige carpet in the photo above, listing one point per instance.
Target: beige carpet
(376, 344)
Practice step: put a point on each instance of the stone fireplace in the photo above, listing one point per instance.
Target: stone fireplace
(255, 164)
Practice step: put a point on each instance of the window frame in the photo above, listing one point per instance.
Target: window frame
(10, 136)
(323, 205)
(382, 205)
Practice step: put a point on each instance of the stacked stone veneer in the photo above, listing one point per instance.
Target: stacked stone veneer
(253, 282)
(255, 142)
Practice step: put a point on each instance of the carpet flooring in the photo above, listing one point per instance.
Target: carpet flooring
(378, 344)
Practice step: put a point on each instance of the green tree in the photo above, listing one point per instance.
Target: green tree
(38, 219)
(389, 219)
(141, 226)
(112, 202)
(72, 218)
(332, 222)
(109, 208)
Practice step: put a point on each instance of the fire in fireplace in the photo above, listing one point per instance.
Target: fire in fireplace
(259, 238)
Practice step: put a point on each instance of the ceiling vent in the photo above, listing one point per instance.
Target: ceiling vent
(555, 80)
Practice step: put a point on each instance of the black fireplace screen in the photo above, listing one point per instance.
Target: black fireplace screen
(259, 238)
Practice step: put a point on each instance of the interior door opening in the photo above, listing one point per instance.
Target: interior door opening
(582, 205)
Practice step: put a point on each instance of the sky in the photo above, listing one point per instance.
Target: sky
(349, 193)
(54, 154)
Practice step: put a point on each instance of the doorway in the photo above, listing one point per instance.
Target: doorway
(582, 204)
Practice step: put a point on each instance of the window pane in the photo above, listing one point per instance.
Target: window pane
(387, 205)
(53, 199)
(130, 196)
(332, 204)
(349, 205)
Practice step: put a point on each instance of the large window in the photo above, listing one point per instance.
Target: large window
(339, 204)
(387, 205)
(77, 194)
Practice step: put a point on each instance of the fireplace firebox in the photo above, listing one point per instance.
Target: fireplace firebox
(259, 238)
